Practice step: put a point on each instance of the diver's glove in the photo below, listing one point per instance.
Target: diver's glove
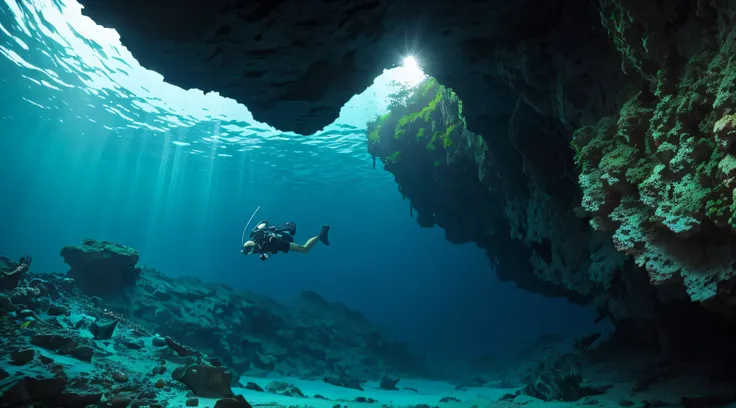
(247, 250)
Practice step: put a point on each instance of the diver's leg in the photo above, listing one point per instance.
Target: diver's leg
(306, 247)
(311, 242)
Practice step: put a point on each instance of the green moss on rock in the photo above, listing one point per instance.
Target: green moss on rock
(621, 27)
(655, 173)
(409, 124)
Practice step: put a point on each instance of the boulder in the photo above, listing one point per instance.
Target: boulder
(22, 357)
(103, 331)
(237, 402)
(389, 383)
(343, 381)
(284, 388)
(101, 268)
(205, 381)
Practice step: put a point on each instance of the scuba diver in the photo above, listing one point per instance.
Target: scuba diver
(267, 240)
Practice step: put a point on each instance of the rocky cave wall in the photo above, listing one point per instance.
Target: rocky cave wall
(645, 87)
(519, 208)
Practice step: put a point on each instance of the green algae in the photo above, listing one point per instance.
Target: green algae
(674, 147)
(412, 122)
(621, 28)
(450, 133)
(718, 208)
(395, 157)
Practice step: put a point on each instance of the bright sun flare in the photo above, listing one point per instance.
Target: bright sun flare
(411, 62)
(410, 73)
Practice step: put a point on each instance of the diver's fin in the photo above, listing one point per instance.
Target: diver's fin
(323, 235)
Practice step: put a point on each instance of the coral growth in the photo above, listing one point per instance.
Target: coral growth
(660, 175)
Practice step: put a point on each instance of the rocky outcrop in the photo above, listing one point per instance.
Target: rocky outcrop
(558, 379)
(11, 272)
(251, 333)
(100, 267)
(283, 388)
(206, 380)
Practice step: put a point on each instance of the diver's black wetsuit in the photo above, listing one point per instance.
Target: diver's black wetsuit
(272, 239)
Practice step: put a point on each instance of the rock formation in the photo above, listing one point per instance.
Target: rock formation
(489, 191)
(102, 268)
(526, 214)
(655, 164)
(15, 271)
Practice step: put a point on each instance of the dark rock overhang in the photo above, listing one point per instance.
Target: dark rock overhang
(295, 64)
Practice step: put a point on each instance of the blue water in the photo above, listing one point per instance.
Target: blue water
(94, 146)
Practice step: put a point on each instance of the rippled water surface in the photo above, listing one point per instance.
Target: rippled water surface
(74, 71)
(97, 146)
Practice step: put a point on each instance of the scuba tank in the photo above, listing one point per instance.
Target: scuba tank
(262, 233)
(263, 227)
